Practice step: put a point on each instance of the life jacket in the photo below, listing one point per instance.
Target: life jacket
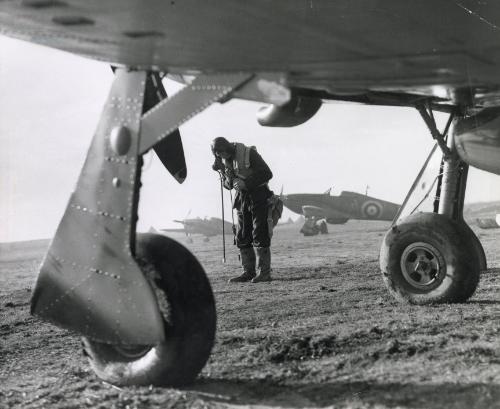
(241, 161)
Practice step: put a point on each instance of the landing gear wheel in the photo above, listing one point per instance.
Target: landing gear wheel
(429, 259)
(187, 304)
(478, 248)
(470, 286)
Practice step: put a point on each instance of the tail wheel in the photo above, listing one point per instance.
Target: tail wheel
(187, 304)
(429, 258)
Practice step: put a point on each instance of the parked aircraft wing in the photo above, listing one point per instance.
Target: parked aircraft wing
(173, 230)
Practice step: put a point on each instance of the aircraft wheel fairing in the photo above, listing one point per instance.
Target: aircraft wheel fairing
(429, 259)
(187, 305)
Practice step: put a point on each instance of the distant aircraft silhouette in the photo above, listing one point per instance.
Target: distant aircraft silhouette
(207, 227)
(321, 208)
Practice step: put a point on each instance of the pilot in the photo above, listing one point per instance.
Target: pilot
(244, 170)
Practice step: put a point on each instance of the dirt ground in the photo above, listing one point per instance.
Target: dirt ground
(324, 333)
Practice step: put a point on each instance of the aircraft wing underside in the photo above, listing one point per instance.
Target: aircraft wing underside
(343, 47)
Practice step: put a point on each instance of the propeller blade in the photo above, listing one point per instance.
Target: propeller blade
(171, 153)
(170, 150)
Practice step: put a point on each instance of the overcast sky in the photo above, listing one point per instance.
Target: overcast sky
(50, 103)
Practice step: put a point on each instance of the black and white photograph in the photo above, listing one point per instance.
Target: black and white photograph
(249, 204)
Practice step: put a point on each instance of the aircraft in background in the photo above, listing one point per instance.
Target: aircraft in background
(337, 209)
(207, 227)
(143, 303)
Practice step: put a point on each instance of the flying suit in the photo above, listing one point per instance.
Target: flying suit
(251, 202)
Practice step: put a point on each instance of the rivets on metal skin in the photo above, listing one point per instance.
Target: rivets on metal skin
(120, 140)
(116, 182)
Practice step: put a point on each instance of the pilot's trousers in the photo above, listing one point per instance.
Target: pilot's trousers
(253, 225)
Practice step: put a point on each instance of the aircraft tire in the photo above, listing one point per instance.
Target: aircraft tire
(478, 248)
(430, 259)
(470, 287)
(187, 304)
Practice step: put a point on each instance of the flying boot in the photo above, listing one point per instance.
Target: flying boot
(264, 265)
(248, 264)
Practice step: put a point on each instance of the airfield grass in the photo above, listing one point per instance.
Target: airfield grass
(324, 333)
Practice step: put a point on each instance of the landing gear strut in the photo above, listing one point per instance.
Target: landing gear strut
(143, 304)
(434, 257)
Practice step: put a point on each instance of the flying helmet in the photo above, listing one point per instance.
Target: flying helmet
(220, 144)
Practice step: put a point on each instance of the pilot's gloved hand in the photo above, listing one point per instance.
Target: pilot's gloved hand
(229, 173)
(239, 184)
(218, 164)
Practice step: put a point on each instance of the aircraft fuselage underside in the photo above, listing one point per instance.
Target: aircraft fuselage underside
(435, 49)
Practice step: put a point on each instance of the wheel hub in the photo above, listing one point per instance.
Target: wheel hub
(422, 265)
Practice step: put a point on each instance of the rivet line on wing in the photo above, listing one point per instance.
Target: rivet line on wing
(98, 212)
(191, 87)
(164, 101)
(118, 160)
(71, 289)
(217, 97)
(75, 265)
(209, 87)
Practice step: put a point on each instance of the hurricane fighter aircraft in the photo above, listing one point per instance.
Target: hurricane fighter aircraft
(337, 209)
(207, 227)
(143, 304)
